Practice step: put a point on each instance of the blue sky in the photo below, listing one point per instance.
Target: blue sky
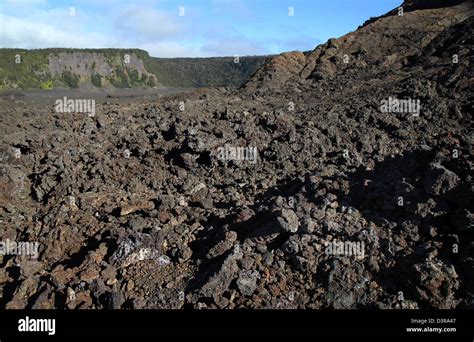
(207, 28)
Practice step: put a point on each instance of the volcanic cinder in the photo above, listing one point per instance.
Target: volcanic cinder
(133, 208)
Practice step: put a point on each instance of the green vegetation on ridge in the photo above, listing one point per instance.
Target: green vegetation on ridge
(204, 72)
(33, 70)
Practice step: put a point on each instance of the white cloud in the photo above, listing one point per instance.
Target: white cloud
(148, 22)
(28, 34)
(149, 27)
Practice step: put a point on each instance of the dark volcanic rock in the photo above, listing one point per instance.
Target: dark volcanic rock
(440, 180)
(302, 189)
